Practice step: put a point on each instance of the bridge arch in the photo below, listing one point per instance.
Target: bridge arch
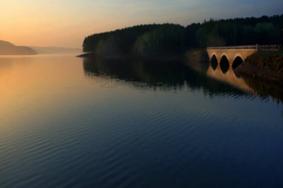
(224, 63)
(238, 60)
(230, 57)
(212, 55)
(240, 56)
(214, 61)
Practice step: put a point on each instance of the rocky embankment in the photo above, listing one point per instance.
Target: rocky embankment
(263, 65)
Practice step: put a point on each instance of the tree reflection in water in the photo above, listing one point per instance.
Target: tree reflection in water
(156, 74)
(179, 75)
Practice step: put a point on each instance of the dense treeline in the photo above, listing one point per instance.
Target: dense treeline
(139, 40)
(150, 40)
(239, 31)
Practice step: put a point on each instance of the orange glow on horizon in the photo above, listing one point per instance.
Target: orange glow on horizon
(37, 26)
(67, 22)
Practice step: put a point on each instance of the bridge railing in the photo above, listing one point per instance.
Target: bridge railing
(255, 47)
(268, 47)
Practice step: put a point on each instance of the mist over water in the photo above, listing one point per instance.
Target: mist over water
(71, 122)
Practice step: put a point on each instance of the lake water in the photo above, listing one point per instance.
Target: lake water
(69, 122)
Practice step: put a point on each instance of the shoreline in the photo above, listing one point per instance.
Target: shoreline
(159, 58)
(261, 65)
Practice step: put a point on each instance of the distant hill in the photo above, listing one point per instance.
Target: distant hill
(55, 50)
(7, 48)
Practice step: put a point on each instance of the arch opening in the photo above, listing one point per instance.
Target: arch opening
(214, 62)
(237, 62)
(224, 64)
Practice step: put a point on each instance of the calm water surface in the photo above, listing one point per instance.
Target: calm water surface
(69, 122)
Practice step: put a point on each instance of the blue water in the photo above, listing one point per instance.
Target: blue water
(66, 122)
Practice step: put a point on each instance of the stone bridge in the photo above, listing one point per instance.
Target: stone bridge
(228, 57)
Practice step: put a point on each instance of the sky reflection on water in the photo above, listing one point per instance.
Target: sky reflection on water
(66, 122)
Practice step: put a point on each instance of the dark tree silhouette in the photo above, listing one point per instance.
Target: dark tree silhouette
(156, 39)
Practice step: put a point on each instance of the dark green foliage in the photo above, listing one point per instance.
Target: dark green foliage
(240, 31)
(152, 40)
(124, 38)
(168, 39)
(139, 40)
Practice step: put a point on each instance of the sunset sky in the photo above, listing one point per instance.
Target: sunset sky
(67, 22)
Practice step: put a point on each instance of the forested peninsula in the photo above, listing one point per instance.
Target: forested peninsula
(171, 39)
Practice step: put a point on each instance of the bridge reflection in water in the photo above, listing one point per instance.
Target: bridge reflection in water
(169, 75)
(230, 78)
(172, 75)
(224, 60)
